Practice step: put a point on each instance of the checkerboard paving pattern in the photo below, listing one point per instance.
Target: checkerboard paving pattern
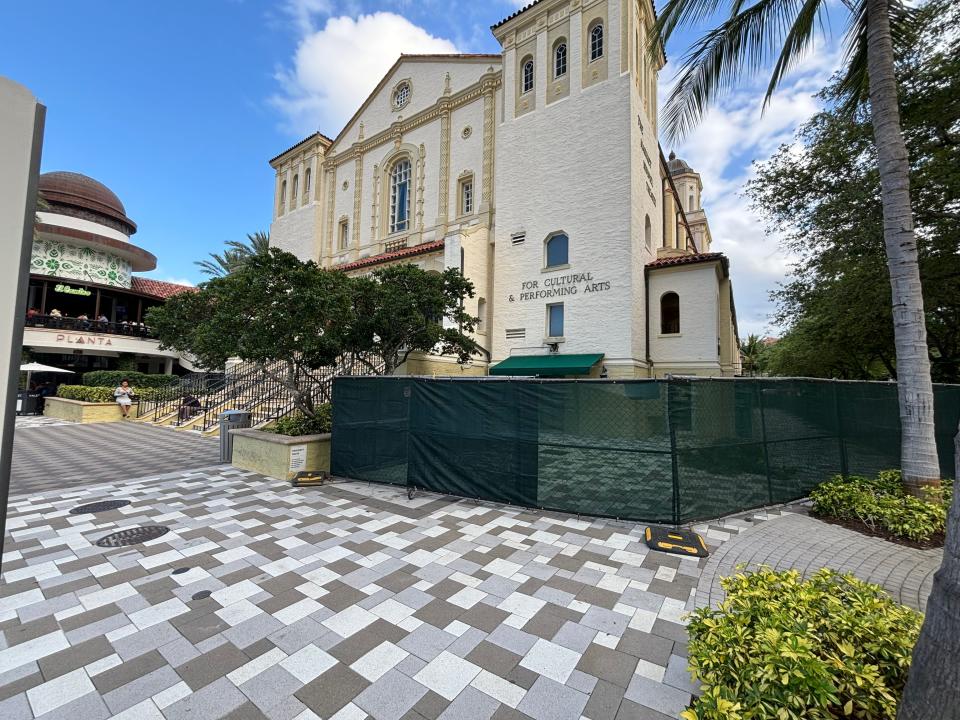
(72, 454)
(345, 601)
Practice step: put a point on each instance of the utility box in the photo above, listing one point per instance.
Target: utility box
(231, 420)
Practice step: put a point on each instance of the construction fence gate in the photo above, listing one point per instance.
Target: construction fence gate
(670, 451)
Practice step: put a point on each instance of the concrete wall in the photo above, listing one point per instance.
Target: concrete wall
(269, 454)
(83, 412)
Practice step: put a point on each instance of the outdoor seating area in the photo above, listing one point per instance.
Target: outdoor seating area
(83, 323)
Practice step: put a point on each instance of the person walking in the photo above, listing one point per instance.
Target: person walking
(123, 395)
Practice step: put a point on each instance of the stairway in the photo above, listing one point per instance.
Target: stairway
(247, 387)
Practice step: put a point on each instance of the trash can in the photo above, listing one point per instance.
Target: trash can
(231, 420)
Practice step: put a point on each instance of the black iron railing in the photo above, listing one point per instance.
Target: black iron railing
(55, 322)
(169, 399)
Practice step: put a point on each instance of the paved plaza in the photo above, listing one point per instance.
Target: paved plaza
(51, 455)
(343, 601)
(807, 544)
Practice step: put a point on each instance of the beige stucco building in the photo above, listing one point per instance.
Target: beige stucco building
(538, 172)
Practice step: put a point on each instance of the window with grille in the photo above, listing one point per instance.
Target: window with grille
(527, 83)
(400, 196)
(401, 95)
(596, 42)
(560, 60)
(466, 195)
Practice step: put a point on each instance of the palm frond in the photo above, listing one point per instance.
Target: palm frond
(797, 43)
(742, 45)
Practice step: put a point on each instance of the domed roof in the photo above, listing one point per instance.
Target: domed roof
(73, 190)
(676, 166)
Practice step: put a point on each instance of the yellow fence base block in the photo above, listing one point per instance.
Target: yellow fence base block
(675, 541)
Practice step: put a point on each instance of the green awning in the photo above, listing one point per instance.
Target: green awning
(552, 365)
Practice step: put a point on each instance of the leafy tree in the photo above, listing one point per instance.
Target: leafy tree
(753, 34)
(401, 309)
(273, 309)
(823, 195)
(236, 254)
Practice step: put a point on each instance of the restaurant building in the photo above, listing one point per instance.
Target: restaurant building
(537, 171)
(86, 307)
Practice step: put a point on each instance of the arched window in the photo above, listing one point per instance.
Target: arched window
(400, 196)
(293, 195)
(560, 60)
(526, 83)
(557, 250)
(648, 233)
(283, 195)
(306, 185)
(596, 42)
(690, 203)
(670, 314)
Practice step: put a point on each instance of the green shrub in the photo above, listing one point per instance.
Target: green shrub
(296, 424)
(784, 648)
(86, 393)
(112, 378)
(882, 503)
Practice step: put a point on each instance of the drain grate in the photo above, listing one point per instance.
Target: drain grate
(202, 595)
(133, 536)
(180, 571)
(101, 506)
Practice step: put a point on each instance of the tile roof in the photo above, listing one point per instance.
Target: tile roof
(686, 260)
(158, 288)
(393, 255)
(298, 144)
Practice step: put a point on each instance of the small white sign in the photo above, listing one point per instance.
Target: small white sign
(298, 458)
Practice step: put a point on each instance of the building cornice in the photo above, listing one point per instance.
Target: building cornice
(140, 259)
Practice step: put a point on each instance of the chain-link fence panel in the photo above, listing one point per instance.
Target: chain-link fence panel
(655, 450)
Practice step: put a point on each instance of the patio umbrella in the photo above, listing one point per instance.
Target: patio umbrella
(33, 367)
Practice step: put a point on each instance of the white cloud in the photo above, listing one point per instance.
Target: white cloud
(162, 277)
(733, 134)
(336, 67)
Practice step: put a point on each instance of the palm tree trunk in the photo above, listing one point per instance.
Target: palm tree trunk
(918, 448)
(933, 687)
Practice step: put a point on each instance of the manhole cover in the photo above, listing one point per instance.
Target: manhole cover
(101, 506)
(133, 536)
(202, 595)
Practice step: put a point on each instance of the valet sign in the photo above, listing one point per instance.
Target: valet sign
(560, 286)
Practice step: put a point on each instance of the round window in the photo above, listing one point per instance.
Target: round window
(401, 95)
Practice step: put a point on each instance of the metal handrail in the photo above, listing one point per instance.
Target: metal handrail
(55, 322)
(171, 398)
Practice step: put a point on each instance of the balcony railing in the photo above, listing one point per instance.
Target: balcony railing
(53, 322)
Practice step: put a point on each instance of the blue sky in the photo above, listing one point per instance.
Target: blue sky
(178, 106)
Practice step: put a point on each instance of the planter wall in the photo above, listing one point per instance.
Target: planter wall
(84, 412)
(279, 456)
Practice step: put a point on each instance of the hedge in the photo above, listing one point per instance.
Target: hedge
(112, 378)
(785, 648)
(881, 503)
(86, 393)
(296, 424)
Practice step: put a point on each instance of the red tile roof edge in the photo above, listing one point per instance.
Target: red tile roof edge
(393, 255)
(158, 288)
(686, 260)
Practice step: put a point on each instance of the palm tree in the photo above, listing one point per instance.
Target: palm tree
(745, 42)
(752, 351)
(235, 255)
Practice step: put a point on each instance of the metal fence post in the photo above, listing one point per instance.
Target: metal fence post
(675, 470)
(844, 470)
(763, 437)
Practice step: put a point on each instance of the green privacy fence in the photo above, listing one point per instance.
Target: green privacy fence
(653, 450)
